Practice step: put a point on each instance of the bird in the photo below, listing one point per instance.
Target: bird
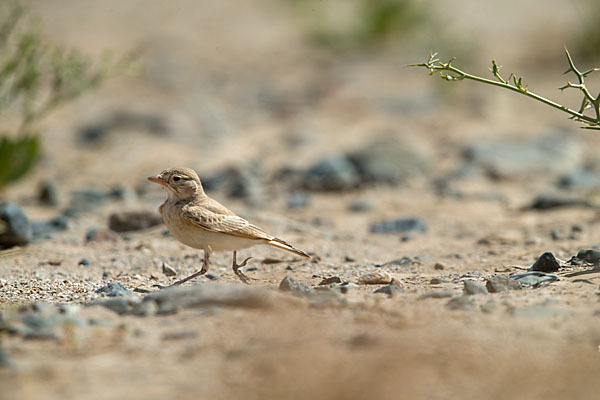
(200, 222)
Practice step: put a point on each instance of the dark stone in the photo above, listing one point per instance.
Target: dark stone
(473, 287)
(545, 263)
(399, 225)
(114, 289)
(390, 289)
(436, 281)
(126, 221)
(330, 280)
(501, 283)
(555, 234)
(580, 179)
(123, 120)
(213, 277)
(85, 262)
(332, 174)
(289, 284)
(550, 201)
(16, 229)
(244, 183)
(590, 256)
(298, 200)
(388, 161)
(49, 194)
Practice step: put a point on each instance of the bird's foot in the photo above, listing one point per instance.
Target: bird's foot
(239, 273)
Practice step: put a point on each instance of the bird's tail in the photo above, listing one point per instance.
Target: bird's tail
(280, 244)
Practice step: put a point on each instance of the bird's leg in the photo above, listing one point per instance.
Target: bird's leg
(237, 266)
(204, 269)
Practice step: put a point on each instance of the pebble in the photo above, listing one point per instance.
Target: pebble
(436, 281)
(399, 225)
(545, 263)
(390, 290)
(114, 289)
(388, 161)
(330, 280)
(501, 283)
(45, 229)
(375, 278)
(289, 284)
(213, 276)
(400, 262)
(438, 294)
(361, 206)
(121, 305)
(298, 200)
(590, 256)
(127, 221)
(49, 193)
(464, 303)
(551, 201)
(333, 173)
(439, 266)
(85, 262)
(16, 230)
(472, 287)
(580, 179)
(168, 270)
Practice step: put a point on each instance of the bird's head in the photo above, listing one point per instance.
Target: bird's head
(180, 182)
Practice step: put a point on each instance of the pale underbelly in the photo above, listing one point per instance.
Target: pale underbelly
(204, 240)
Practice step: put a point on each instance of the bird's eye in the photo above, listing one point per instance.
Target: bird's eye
(176, 179)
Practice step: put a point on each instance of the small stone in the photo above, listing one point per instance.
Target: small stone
(439, 266)
(45, 229)
(464, 303)
(438, 294)
(168, 270)
(16, 229)
(298, 200)
(472, 287)
(390, 290)
(126, 221)
(555, 234)
(330, 280)
(400, 262)
(121, 305)
(333, 173)
(212, 276)
(545, 263)
(85, 262)
(400, 225)
(375, 278)
(501, 283)
(114, 289)
(289, 268)
(49, 194)
(289, 284)
(589, 256)
(435, 281)
(534, 279)
(551, 201)
(361, 206)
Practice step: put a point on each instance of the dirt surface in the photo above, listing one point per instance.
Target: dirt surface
(235, 87)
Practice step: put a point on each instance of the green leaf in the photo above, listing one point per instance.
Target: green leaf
(17, 156)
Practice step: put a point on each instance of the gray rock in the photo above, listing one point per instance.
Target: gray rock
(127, 221)
(400, 225)
(534, 279)
(209, 295)
(114, 289)
(436, 281)
(545, 263)
(298, 200)
(400, 262)
(45, 229)
(244, 182)
(121, 305)
(332, 174)
(361, 206)
(501, 283)
(388, 161)
(123, 120)
(553, 153)
(212, 276)
(472, 287)
(580, 179)
(590, 256)
(464, 303)
(85, 262)
(390, 290)
(289, 284)
(85, 200)
(438, 294)
(16, 228)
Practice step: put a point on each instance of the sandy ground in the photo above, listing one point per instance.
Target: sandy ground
(237, 84)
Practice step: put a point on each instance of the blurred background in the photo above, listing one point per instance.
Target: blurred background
(276, 85)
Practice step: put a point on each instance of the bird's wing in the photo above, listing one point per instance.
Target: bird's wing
(214, 217)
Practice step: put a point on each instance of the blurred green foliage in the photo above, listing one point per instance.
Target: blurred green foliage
(359, 24)
(35, 78)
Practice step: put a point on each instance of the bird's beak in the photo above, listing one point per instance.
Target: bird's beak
(157, 179)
